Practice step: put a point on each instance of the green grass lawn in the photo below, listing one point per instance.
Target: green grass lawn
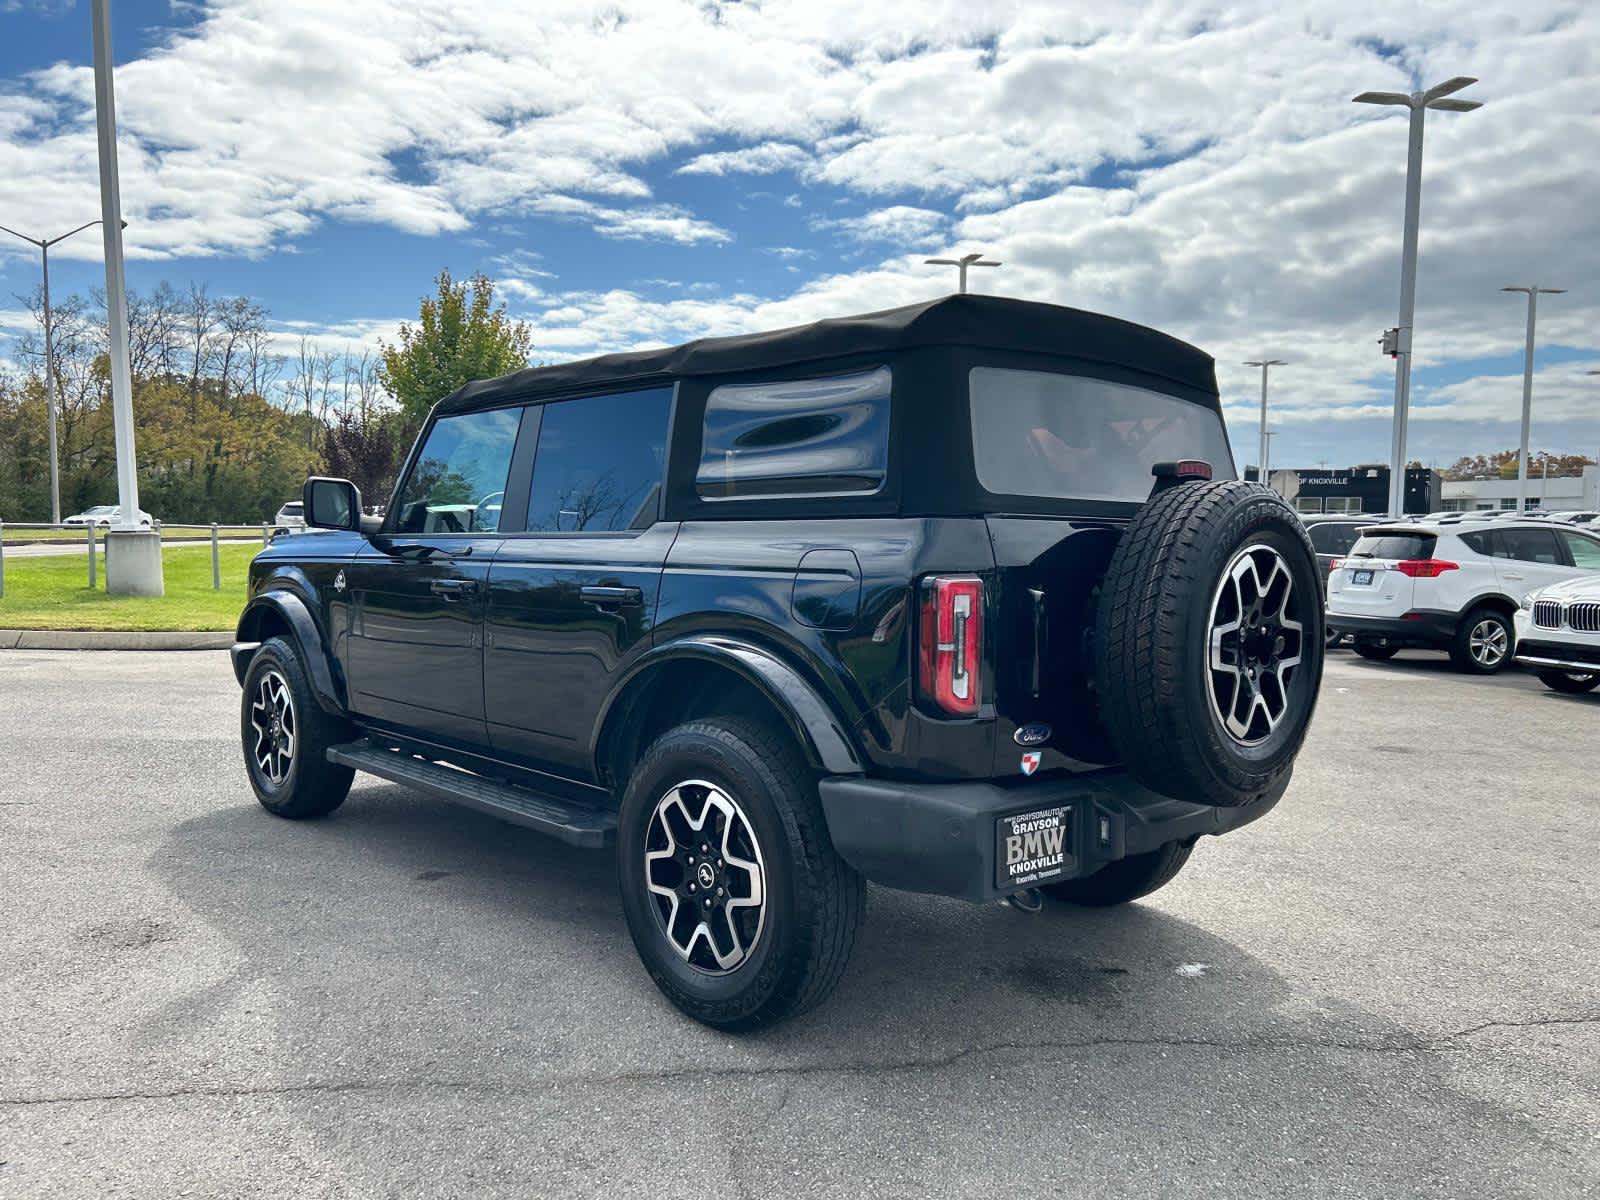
(17, 536)
(53, 593)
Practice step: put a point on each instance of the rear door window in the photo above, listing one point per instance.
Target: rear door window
(1394, 545)
(796, 437)
(1038, 433)
(599, 463)
(1531, 545)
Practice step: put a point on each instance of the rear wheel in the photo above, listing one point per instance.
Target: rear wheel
(1375, 652)
(743, 912)
(1484, 642)
(286, 736)
(1124, 880)
(1572, 683)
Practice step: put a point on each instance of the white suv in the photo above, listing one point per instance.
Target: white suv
(1558, 634)
(1451, 587)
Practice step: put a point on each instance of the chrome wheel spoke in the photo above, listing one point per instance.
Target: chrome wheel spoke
(273, 719)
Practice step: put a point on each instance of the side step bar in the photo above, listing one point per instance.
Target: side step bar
(576, 824)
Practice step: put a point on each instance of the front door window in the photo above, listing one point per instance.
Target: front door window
(458, 483)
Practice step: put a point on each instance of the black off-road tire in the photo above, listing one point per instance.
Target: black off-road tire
(1570, 683)
(1124, 880)
(311, 786)
(815, 899)
(1461, 652)
(1373, 652)
(1153, 624)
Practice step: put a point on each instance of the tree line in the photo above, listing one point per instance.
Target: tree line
(231, 415)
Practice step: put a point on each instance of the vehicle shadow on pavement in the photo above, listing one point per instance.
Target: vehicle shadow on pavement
(398, 892)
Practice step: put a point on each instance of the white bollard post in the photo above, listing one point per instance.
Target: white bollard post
(90, 528)
(216, 560)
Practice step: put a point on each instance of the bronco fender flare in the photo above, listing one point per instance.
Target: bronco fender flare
(822, 735)
(307, 636)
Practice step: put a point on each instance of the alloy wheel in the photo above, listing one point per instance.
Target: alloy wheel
(1488, 642)
(272, 717)
(705, 874)
(1256, 644)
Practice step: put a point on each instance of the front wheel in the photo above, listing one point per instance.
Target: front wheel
(1483, 643)
(1571, 683)
(286, 738)
(743, 912)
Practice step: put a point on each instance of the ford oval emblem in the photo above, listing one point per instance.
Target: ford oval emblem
(1036, 734)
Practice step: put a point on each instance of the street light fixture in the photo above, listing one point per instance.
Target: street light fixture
(1533, 292)
(1264, 363)
(51, 396)
(1418, 103)
(961, 264)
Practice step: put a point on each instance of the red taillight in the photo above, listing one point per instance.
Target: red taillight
(1335, 565)
(1425, 568)
(950, 650)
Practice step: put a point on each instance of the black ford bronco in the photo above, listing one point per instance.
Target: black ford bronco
(961, 598)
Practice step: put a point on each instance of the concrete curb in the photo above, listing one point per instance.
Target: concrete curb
(83, 639)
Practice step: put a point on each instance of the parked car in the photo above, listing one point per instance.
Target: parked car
(1453, 588)
(893, 598)
(1332, 536)
(1558, 634)
(291, 517)
(103, 515)
(1574, 516)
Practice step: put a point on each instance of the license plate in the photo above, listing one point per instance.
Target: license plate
(1361, 578)
(1032, 847)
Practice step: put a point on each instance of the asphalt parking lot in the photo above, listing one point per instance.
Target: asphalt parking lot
(1386, 988)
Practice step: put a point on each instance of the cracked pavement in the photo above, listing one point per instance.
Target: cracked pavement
(1398, 995)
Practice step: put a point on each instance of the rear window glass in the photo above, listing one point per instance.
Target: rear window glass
(1394, 545)
(1038, 433)
(1333, 537)
(796, 437)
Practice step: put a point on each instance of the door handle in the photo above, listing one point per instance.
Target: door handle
(453, 589)
(611, 597)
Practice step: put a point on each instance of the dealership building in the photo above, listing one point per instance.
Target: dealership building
(1366, 490)
(1354, 489)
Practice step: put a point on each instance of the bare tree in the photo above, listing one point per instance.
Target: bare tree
(239, 319)
(200, 319)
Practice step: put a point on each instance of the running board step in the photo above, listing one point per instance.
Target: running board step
(576, 824)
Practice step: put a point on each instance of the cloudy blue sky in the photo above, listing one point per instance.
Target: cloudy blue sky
(643, 173)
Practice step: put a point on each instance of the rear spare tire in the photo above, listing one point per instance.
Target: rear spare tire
(1209, 642)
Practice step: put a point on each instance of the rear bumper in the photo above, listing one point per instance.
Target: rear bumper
(945, 839)
(1425, 627)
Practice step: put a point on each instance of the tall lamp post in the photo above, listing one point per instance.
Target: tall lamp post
(1264, 363)
(961, 264)
(133, 554)
(1533, 292)
(51, 391)
(1418, 103)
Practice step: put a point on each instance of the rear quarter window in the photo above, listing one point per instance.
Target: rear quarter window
(796, 437)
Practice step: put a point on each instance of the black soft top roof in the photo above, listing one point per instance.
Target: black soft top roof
(993, 322)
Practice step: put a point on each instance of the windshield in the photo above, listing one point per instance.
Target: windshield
(1037, 433)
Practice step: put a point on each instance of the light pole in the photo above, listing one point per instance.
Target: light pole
(961, 264)
(133, 554)
(1266, 459)
(1533, 292)
(50, 389)
(1264, 363)
(1418, 103)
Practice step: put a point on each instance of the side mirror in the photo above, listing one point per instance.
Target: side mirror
(332, 504)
